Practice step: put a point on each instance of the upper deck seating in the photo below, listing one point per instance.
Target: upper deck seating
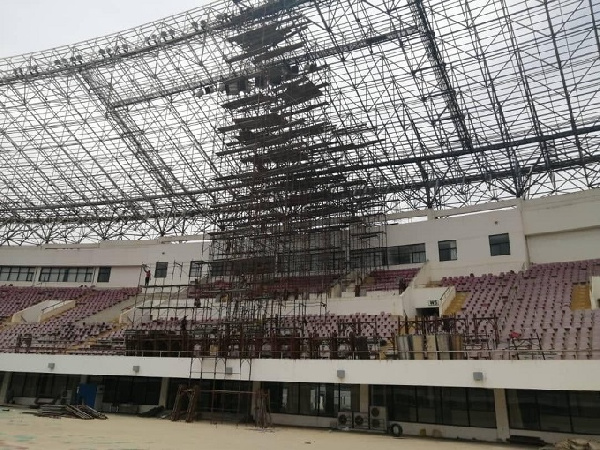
(389, 280)
(63, 331)
(536, 303)
(14, 299)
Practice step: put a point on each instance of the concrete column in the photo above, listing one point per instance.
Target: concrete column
(255, 389)
(364, 397)
(502, 424)
(164, 391)
(4, 386)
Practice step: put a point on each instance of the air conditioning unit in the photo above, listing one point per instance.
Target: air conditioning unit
(360, 421)
(344, 419)
(378, 418)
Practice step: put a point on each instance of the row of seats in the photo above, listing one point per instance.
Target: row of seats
(64, 330)
(389, 280)
(14, 299)
(536, 304)
(290, 285)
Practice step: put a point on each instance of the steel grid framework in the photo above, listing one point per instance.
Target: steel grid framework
(428, 104)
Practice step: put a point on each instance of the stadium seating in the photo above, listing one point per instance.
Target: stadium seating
(312, 284)
(536, 304)
(14, 299)
(533, 304)
(388, 280)
(63, 331)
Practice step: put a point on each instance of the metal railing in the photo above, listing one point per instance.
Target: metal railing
(324, 353)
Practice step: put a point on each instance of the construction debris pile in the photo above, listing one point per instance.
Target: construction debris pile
(574, 444)
(77, 411)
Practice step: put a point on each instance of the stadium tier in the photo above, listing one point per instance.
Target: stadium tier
(478, 325)
(370, 216)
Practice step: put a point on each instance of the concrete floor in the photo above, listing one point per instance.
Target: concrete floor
(19, 431)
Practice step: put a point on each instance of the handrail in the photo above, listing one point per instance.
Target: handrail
(324, 353)
(56, 305)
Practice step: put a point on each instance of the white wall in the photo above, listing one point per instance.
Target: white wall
(426, 297)
(558, 228)
(125, 258)
(373, 303)
(544, 375)
(576, 211)
(471, 233)
(564, 246)
(563, 228)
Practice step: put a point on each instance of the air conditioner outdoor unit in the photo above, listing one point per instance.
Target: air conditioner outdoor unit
(344, 419)
(378, 418)
(361, 421)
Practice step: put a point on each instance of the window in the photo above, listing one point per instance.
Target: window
(428, 404)
(313, 399)
(554, 411)
(66, 275)
(135, 390)
(437, 405)
(195, 269)
(406, 254)
(42, 385)
(103, 274)
(447, 250)
(522, 409)
(499, 244)
(16, 273)
(404, 404)
(585, 411)
(160, 271)
(557, 411)
(370, 257)
(346, 397)
(455, 409)
(482, 411)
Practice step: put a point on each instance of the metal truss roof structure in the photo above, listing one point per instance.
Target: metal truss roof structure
(346, 106)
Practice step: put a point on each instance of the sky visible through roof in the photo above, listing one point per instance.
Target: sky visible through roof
(34, 25)
(435, 103)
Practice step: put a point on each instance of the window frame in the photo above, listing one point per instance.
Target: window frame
(160, 269)
(320, 399)
(498, 246)
(17, 273)
(66, 275)
(407, 403)
(451, 250)
(195, 270)
(104, 273)
(407, 254)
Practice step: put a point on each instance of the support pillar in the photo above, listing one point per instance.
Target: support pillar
(4, 386)
(255, 389)
(364, 398)
(164, 391)
(502, 424)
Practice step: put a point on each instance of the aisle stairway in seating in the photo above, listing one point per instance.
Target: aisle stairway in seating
(548, 301)
(95, 340)
(580, 297)
(456, 304)
(68, 329)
